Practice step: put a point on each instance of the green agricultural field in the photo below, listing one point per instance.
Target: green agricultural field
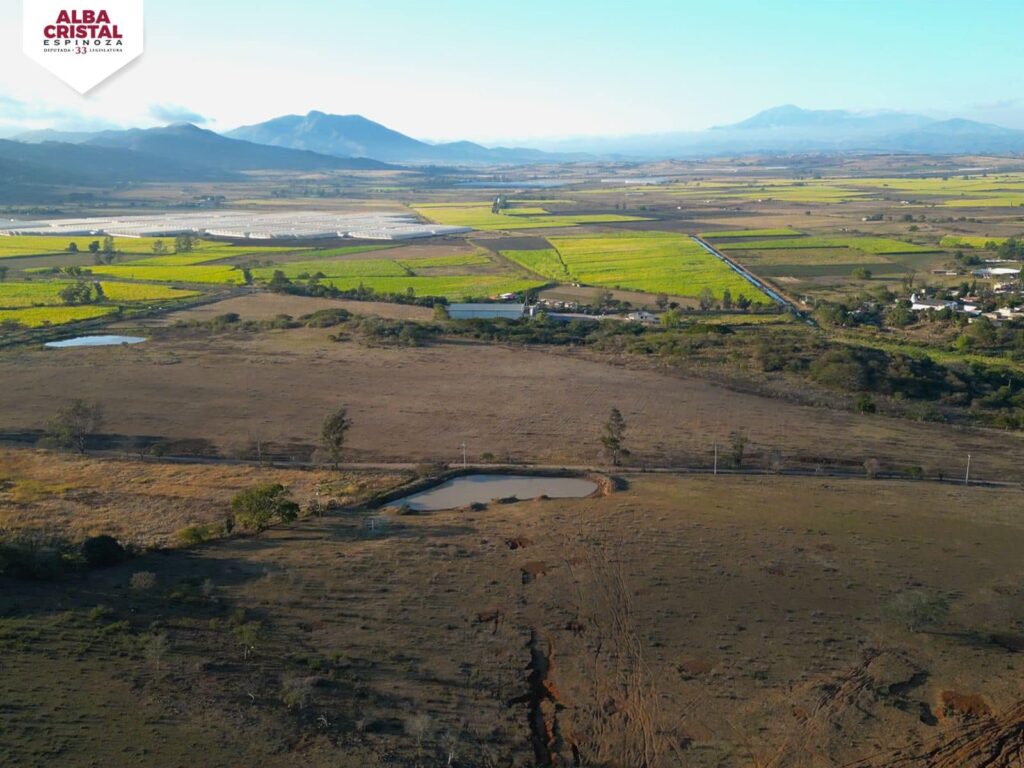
(178, 260)
(841, 270)
(36, 317)
(479, 216)
(944, 186)
(335, 268)
(47, 294)
(780, 232)
(969, 241)
(478, 259)
(130, 292)
(36, 294)
(875, 245)
(41, 245)
(799, 257)
(545, 262)
(451, 287)
(347, 250)
(654, 262)
(187, 274)
(793, 194)
(1004, 201)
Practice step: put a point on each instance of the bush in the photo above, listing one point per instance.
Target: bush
(257, 508)
(142, 581)
(325, 318)
(191, 535)
(864, 404)
(103, 552)
(917, 610)
(36, 555)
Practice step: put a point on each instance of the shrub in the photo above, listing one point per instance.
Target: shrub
(918, 610)
(34, 554)
(103, 551)
(142, 581)
(325, 318)
(864, 404)
(191, 535)
(257, 508)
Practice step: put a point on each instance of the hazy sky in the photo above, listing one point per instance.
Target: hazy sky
(484, 70)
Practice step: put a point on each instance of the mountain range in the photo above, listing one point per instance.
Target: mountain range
(321, 142)
(789, 129)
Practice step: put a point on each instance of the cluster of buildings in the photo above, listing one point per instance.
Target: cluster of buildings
(240, 225)
(969, 305)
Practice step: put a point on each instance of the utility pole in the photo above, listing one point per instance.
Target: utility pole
(967, 477)
(463, 447)
(716, 457)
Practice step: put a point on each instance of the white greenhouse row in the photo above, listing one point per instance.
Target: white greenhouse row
(240, 225)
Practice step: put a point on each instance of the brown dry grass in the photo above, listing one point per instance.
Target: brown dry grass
(535, 405)
(658, 634)
(146, 502)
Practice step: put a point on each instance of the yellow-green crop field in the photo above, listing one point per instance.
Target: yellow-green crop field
(1005, 201)
(36, 317)
(484, 275)
(41, 245)
(802, 257)
(969, 241)
(452, 287)
(875, 245)
(780, 232)
(17, 295)
(337, 268)
(479, 216)
(655, 262)
(129, 292)
(187, 274)
(545, 262)
(478, 259)
(45, 294)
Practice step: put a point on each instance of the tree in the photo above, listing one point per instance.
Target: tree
(602, 298)
(183, 244)
(108, 244)
(706, 299)
(71, 425)
(661, 301)
(737, 447)
(102, 551)
(279, 283)
(614, 436)
(72, 247)
(79, 292)
(671, 319)
(861, 273)
(742, 302)
(159, 247)
(726, 299)
(333, 434)
(94, 246)
(257, 508)
(441, 312)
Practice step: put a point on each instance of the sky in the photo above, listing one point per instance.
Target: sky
(530, 70)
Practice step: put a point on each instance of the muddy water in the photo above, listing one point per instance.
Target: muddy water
(95, 341)
(470, 489)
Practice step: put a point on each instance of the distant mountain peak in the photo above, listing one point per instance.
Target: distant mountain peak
(358, 136)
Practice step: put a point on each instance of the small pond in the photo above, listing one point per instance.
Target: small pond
(95, 341)
(470, 489)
